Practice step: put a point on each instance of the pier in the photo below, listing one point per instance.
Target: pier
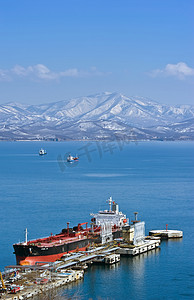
(24, 282)
(27, 281)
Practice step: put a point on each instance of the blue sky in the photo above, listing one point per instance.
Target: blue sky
(54, 50)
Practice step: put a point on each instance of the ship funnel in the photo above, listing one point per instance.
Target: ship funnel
(115, 207)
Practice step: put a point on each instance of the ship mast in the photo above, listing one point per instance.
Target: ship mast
(26, 236)
(109, 202)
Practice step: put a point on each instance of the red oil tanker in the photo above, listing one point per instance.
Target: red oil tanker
(106, 225)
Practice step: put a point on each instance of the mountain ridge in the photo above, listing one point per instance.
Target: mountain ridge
(106, 113)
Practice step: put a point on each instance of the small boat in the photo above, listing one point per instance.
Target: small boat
(42, 152)
(71, 158)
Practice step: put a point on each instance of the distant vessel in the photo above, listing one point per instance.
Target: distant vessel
(42, 152)
(71, 158)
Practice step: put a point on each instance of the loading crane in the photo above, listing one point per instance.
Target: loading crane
(80, 224)
(3, 289)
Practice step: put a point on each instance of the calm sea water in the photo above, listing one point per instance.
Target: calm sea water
(155, 179)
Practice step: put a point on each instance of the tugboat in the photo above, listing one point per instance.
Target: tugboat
(42, 152)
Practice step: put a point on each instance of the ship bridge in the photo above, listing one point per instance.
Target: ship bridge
(112, 216)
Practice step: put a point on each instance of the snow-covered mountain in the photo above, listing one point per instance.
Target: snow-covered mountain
(101, 116)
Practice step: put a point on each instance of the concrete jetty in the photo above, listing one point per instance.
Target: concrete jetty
(166, 234)
(127, 249)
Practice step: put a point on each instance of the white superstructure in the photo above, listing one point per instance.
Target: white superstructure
(112, 216)
(70, 158)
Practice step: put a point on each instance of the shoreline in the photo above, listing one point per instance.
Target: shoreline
(98, 140)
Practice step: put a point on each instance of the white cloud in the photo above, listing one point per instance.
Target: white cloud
(40, 71)
(19, 70)
(4, 76)
(179, 70)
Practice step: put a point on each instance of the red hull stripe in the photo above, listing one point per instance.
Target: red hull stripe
(31, 260)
